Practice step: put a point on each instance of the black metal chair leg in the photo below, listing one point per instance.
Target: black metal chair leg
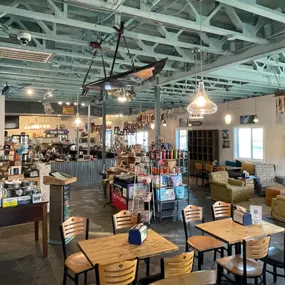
(256, 280)
(85, 278)
(186, 247)
(274, 275)
(200, 260)
(222, 252)
(264, 274)
(215, 255)
(220, 274)
(229, 250)
(64, 276)
(76, 279)
(147, 263)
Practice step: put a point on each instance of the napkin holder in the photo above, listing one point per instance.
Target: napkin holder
(138, 234)
(242, 216)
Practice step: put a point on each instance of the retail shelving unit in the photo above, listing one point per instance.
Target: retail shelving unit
(170, 208)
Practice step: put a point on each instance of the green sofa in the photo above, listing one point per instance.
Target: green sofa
(228, 189)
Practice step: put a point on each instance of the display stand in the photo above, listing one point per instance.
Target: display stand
(59, 204)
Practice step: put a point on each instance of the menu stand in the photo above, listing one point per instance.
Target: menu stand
(59, 204)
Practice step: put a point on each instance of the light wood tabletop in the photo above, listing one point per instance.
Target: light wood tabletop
(230, 232)
(206, 277)
(115, 248)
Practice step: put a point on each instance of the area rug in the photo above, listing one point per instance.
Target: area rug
(257, 201)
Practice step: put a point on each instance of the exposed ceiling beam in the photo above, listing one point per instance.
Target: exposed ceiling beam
(252, 7)
(165, 19)
(251, 53)
(135, 35)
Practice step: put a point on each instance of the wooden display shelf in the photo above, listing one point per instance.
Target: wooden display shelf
(51, 180)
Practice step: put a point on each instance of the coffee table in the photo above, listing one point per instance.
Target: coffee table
(272, 192)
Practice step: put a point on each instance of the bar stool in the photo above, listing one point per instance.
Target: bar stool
(208, 169)
(199, 173)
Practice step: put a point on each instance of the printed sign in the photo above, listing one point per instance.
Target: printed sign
(256, 214)
(68, 110)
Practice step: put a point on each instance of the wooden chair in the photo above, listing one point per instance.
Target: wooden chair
(77, 263)
(121, 273)
(202, 243)
(124, 220)
(220, 168)
(208, 169)
(177, 265)
(249, 265)
(199, 173)
(221, 210)
(206, 277)
(170, 267)
(275, 258)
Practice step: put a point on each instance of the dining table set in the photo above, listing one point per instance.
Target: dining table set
(116, 261)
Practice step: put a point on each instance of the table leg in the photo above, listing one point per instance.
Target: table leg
(36, 230)
(229, 250)
(238, 248)
(44, 230)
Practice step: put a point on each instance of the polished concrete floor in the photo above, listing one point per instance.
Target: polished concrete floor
(21, 261)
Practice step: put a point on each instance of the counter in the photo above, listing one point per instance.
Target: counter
(86, 171)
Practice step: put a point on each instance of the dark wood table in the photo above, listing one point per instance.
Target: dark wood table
(29, 213)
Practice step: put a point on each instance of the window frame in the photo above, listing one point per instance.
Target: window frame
(177, 138)
(236, 146)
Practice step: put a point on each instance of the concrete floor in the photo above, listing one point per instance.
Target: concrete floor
(21, 261)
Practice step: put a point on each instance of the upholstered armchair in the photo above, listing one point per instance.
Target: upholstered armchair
(228, 189)
(266, 177)
(278, 208)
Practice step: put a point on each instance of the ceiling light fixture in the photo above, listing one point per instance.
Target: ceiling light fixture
(75, 103)
(255, 119)
(164, 124)
(67, 103)
(82, 104)
(77, 123)
(60, 102)
(122, 95)
(201, 105)
(152, 125)
(228, 117)
(30, 91)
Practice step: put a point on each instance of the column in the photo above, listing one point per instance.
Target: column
(157, 114)
(88, 129)
(103, 135)
(2, 120)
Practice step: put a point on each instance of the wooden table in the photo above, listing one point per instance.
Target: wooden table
(194, 278)
(233, 233)
(115, 248)
(27, 214)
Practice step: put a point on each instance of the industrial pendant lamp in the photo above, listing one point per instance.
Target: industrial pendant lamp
(201, 105)
(77, 123)
(228, 117)
(255, 119)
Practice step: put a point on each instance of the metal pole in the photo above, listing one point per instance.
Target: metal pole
(77, 143)
(103, 135)
(157, 114)
(88, 129)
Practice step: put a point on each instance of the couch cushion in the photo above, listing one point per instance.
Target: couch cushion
(248, 166)
(266, 184)
(265, 172)
(238, 163)
(230, 163)
(219, 176)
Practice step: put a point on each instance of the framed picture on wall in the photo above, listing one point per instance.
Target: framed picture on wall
(226, 134)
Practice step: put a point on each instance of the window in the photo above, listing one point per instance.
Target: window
(139, 138)
(108, 138)
(249, 143)
(182, 139)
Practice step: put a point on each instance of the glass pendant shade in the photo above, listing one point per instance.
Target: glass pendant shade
(256, 119)
(202, 105)
(228, 119)
(152, 126)
(77, 123)
(164, 124)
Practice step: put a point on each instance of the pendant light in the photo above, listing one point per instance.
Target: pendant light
(255, 119)
(77, 123)
(163, 121)
(201, 105)
(228, 117)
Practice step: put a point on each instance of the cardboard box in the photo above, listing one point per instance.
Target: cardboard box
(10, 202)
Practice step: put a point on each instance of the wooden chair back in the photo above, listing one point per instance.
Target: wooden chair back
(123, 220)
(177, 265)
(257, 248)
(198, 166)
(219, 168)
(206, 277)
(192, 214)
(221, 210)
(121, 273)
(73, 227)
(209, 167)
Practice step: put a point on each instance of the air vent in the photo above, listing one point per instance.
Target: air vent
(27, 55)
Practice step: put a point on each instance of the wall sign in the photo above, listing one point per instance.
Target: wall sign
(57, 132)
(68, 110)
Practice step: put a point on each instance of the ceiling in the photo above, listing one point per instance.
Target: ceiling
(242, 45)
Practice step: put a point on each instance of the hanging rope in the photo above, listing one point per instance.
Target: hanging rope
(129, 54)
